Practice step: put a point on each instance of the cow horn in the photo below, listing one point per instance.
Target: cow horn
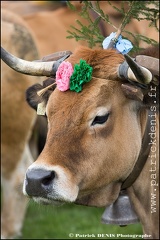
(131, 70)
(142, 74)
(27, 67)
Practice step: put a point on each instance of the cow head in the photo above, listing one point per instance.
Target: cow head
(94, 136)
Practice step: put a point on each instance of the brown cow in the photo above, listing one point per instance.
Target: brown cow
(24, 8)
(50, 27)
(56, 23)
(17, 121)
(99, 137)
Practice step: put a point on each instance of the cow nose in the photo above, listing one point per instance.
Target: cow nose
(39, 182)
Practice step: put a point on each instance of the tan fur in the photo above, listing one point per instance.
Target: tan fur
(98, 158)
(23, 8)
(17, 120)
(101, 68)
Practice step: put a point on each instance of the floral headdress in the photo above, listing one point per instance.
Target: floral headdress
(68, 78)
(73, 79)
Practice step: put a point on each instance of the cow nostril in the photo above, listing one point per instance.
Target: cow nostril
(47, 180)
(39, 182)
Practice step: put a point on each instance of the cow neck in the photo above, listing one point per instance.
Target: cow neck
(142, 158)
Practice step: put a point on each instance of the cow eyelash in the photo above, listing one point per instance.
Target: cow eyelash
(100, 119)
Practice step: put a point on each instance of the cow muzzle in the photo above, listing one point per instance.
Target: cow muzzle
(49, 185)
(39, 182)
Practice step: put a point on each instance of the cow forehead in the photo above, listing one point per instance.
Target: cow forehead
(96, 93)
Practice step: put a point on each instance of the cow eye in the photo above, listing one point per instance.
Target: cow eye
(100, 119)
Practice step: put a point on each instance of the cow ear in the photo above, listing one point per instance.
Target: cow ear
(31, 95)
(33, 99)
(132, 92)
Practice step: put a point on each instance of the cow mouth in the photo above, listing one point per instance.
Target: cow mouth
(48, 201)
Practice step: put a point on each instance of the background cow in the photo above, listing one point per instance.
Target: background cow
(50, 27)
(17, 122)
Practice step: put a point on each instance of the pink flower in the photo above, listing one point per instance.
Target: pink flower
(63, 75)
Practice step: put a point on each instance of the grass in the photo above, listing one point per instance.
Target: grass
(48, 222)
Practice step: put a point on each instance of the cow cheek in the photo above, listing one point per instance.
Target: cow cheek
(102, 197)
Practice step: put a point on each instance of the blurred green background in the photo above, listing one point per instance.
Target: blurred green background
(49, 222)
